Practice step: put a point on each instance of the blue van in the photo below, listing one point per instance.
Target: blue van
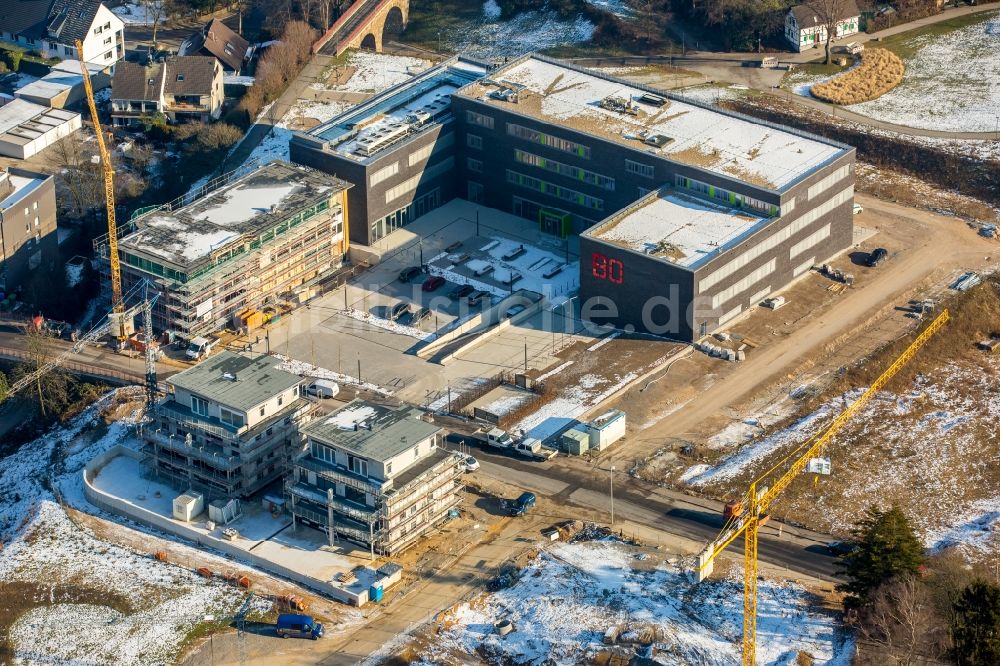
(522, 504)
(298, 626)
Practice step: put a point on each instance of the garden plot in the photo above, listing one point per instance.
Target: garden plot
(952, 82)
(70, 597)
(575, 602)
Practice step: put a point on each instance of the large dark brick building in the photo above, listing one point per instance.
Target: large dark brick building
(687, 215)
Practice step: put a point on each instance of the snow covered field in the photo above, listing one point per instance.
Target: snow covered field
(952, 82)
(934, 439)
(374, 72)
(490, 37)
(124, 607)
(571, 594)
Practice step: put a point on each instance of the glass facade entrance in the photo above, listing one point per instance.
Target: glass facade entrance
(403, 216)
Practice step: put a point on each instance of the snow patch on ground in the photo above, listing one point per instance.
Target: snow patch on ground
(136, 14)
(43, 547)
(572, 403)
(619, 8)
(571, 594)
(952, 82)
(491, 10)
(536, 30)
(374, 72)
(304, 369)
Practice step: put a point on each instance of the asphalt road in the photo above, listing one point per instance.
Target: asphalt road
(694, 518)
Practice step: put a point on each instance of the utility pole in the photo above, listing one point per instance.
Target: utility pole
(612, 495)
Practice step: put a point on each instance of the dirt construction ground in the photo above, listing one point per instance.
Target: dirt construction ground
(806, 340)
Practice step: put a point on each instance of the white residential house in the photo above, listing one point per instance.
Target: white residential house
(183, 88)
(52, 28)
(805, 29)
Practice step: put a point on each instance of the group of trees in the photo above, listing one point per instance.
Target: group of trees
(907, 607)
(277, 68)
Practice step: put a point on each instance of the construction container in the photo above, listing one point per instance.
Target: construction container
(607, 429)
(188, 505)
(375, 593)
(250, 319)
(223, 512)
(575, 441)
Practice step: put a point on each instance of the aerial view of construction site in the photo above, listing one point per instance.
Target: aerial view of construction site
(499, 332)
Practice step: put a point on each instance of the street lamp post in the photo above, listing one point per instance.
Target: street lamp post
(612, 495)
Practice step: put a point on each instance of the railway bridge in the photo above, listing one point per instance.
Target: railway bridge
(364, 25)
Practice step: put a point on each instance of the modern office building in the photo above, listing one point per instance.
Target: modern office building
(687, 214)
(228, 426)
(374, 474)
(266, 235)
(398, 148)
(28, 239)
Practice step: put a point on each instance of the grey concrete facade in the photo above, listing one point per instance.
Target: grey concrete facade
(28, 239)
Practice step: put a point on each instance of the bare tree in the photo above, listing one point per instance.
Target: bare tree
(78, 172)
(157, 10)
(830, 14)
(902, 626)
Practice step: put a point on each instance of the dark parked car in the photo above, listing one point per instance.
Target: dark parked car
(476, 297)
(419, 316)
(522, 504)
(398, 310)
(298, 626)
(877, 256)
(410, 274)
(461, 291)
(433, 283)
(840, 547)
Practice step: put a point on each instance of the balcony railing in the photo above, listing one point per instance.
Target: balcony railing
(340, 475)
(320, 518)
(207, 454)
(340, 505)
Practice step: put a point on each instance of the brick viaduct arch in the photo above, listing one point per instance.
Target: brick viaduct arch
(363, 25)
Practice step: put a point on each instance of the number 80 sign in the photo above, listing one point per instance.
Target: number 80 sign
(605, 268)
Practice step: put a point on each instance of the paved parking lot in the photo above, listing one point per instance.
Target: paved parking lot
(364, 343)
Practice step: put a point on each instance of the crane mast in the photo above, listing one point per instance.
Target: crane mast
(748, 519)
(117, 321)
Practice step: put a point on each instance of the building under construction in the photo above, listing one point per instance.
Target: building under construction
(256, 239)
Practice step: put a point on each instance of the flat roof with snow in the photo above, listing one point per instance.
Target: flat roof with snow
(677, 228)
(247, 207)
(21, 121)
(399, 113)
(729, 144)
(24, 183)
(372, 430)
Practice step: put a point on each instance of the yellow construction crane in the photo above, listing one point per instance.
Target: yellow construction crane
(746, 516)
(117, 318)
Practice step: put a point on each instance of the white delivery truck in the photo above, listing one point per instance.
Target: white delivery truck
(200, 347)
(528, 447)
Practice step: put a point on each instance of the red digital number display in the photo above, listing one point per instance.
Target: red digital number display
(604, 268)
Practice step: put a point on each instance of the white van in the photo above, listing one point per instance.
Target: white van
(323, 388)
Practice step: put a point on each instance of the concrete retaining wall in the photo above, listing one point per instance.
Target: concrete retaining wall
(491, 329)
(115, 505)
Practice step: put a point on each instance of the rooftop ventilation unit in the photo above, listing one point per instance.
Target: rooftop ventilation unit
(657, 140)
(654, 100)
(619, 105)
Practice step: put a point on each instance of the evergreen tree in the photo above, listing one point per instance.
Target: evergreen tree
(884, 548)
(975, 629)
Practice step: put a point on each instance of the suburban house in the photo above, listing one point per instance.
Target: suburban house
(27, 226)
(219, 41)
(375, 475)
(52, 28)
(805, 27)
(182, 88)
(228, 426)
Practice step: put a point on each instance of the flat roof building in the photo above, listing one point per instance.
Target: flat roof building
(28, 239)
(270, 232)
(27, 128)
(399, 147)
(374, 474)
(228, 426)
(687, 214)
